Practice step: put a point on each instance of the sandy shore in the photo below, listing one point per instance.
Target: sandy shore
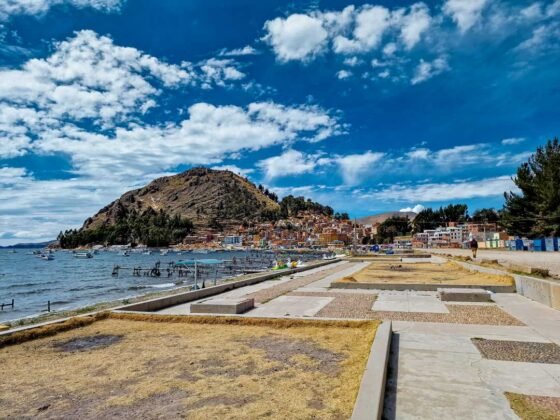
(547, 260)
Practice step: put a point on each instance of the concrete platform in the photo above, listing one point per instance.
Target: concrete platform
(223, 306)
(464, 295)
(409, 302)
(291, 306)
(436, 371)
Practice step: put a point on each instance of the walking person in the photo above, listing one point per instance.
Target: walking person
(474, 247)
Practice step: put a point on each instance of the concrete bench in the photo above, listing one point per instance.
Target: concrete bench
(223, 306)
(464, 295)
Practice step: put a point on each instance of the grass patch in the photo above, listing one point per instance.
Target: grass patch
(195, 367)
(448, 273)
(531, 407)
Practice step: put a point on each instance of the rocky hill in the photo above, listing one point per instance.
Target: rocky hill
(380, 218)
(204, 196)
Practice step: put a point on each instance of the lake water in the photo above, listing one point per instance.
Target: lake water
(71, 283)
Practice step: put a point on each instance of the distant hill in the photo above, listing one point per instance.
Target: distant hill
(201, 195)
(170, 208)
(28, 245)
(380, 218)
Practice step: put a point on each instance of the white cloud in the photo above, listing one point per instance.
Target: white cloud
(89, 77)
(416, 209)
(344, 74)
(90, 80)
(238, 52)
(513, 140)
(298, 37)
(208, 135)
(350, 31)
(413, 25)
(39, 7)
(543, 39)
(234, 169)
(466, 13)
(291, 162)
(371, 22)
(354, 167)
(461, 190)
(428, 69)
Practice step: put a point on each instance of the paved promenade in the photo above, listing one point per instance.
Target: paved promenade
(548, 260)
(447, 358)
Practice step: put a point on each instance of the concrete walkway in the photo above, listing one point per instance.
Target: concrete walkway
(539, 317)
(436, 371)
(184, 309)
(394, 301)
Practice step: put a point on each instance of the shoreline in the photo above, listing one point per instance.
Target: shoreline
(106, 305)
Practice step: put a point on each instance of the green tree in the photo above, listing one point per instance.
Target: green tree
(486, 215)
(535, 210)
(393, 226)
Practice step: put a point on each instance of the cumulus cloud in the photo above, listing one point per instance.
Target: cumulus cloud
(88, 77)
(416, 209)
(298, 37)
(413, 25)
(39, 7)
(291, 162)
(466, 13)
(90, 80)
(344, 74)
(428, 69)
(349, 31)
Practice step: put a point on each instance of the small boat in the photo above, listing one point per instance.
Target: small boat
(147, 253)
(164, 252)
(84, 255)
(125, 254)
(46, 257)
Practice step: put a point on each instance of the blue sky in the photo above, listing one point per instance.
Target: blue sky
(366, 106)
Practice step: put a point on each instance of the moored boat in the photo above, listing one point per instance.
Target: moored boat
(84, 254)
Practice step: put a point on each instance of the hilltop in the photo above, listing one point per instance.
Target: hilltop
(380, 218)
(204, 196)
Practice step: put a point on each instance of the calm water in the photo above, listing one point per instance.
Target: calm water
(71, 283)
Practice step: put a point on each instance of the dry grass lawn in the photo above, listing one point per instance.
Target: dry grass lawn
(426, 273)
(533, 407)
(188, 368)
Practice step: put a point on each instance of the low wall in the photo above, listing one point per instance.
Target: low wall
(543, 291)
(371, 395)
(419, 287)
(180, 298)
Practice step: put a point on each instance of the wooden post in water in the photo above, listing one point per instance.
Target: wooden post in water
(49, 306)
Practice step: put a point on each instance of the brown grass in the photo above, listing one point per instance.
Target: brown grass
(532, 407)
(194, 367)
(19, 337)
(428, 273)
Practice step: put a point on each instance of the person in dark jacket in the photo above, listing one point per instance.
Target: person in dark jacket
(474, 247)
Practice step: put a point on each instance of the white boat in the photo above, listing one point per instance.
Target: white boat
(84, 254)
(46, 257)
(125, 254)
(147, 253)
(164, 252)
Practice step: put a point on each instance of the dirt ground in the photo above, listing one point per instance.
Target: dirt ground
(426, 273)
(118, 368)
